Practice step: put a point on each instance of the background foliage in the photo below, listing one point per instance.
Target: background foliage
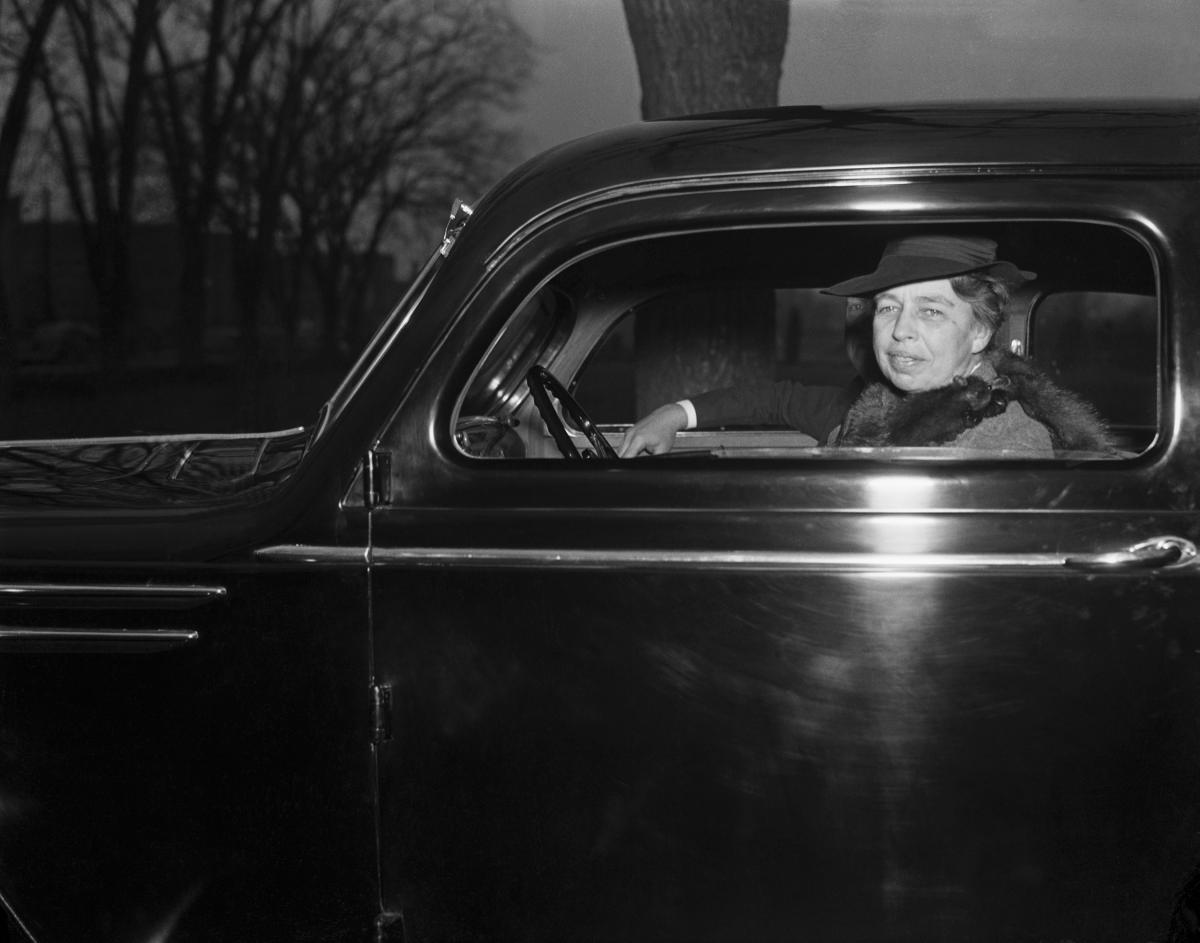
(285, 152)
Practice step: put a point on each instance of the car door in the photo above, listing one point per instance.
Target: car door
(847, 698)
(185, 726)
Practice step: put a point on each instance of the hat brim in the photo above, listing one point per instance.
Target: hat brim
(903, 270)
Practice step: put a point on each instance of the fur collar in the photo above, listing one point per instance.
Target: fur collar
(881, 416)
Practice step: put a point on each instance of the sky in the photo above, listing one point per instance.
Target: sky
(844, 52)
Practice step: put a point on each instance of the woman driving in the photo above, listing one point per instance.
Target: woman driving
(939, 301)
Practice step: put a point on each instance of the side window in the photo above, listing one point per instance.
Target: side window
(1104, 346)
(685, 316)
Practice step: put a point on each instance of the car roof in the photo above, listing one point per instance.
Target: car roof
(1098, 136)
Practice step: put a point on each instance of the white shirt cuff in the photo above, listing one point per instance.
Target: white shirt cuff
(686, 405)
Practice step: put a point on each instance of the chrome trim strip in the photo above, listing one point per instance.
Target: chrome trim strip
(116, 589)
(311, 553)
(628, 559)
(702, 559)
(138, 640)
(161, 594)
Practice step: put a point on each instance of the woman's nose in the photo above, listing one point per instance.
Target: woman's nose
(905, 324)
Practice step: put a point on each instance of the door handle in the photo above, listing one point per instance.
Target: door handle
(1154, 554)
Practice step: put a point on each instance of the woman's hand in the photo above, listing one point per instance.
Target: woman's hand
(654, 434)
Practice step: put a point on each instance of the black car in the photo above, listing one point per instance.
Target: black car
(438, 667)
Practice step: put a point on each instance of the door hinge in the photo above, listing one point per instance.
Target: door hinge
(377, 478)
(381, 713)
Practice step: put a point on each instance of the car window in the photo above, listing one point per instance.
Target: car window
(1104, 346)
(658, 320)
(534, 333)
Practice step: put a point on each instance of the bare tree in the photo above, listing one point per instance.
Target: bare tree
(317, 129)
(26, 27)
(207, 51)
(359, 111)
(268, 129)
(697, 56)
(96, 92)
(408, 121)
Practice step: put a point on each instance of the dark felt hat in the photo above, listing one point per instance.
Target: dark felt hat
(929, 257)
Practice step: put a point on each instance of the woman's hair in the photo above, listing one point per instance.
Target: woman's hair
(988, 298)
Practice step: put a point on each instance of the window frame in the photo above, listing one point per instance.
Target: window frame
(568, 359)
(1146, 207)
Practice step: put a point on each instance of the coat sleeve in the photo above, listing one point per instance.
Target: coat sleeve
(813, 410)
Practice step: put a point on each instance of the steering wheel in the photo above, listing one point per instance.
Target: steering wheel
(543, 385)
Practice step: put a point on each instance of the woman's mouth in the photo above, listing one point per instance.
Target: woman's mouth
(904, 362)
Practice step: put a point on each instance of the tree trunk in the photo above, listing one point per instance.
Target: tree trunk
(696, 56)
(9, 218)
(707, 55)
(12, 131)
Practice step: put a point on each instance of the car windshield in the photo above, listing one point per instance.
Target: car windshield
(384, 337)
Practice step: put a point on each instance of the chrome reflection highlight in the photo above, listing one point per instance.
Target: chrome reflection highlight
(900, 492)
(889, 563)
(162, 594)
(25, 639)
(316, 555)
(1152, 554)
(889, 206)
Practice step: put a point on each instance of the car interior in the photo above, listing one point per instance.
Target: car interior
(652, 320)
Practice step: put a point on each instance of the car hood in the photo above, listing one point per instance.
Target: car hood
(140, 471)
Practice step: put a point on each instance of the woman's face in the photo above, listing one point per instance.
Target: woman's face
(925, 335)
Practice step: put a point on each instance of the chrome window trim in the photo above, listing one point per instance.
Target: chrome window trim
(630, 559)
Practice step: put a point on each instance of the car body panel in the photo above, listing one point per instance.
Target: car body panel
(899, 754)
(157, 786)
(185, 726)
(886, 713)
